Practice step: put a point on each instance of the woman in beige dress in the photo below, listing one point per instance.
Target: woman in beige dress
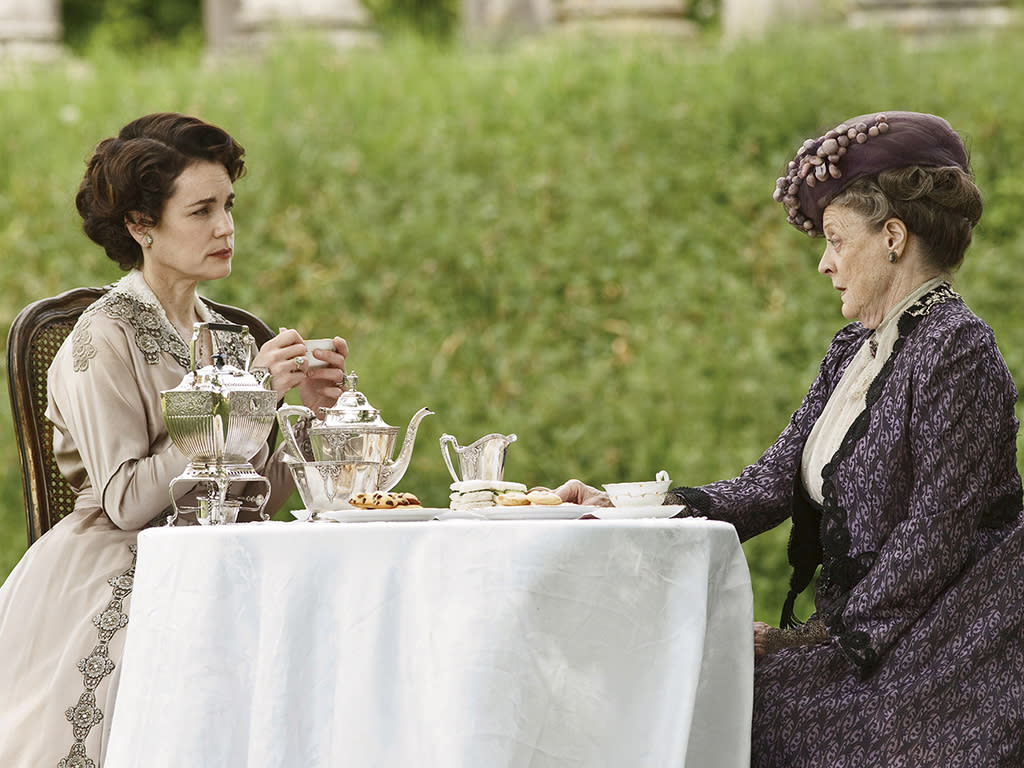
(158, 199)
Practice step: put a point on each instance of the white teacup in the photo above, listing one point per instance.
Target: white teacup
(642, 494)
(312, 360)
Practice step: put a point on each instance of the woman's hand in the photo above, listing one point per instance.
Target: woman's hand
(577, 492)
(285, 358)
(760, 631)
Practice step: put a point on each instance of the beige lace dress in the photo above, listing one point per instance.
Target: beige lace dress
(64, 608)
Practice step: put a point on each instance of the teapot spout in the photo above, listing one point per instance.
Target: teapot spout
(393, 471)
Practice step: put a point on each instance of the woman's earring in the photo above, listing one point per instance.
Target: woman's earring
(893, 256)
(148, 240)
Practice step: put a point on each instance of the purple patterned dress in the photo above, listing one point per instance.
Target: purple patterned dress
(921, 544)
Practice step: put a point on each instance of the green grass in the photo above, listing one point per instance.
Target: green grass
(572, 240)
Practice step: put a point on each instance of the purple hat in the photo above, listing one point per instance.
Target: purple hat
(862, 146)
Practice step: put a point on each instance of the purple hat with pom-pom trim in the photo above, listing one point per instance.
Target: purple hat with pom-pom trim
(862, 146)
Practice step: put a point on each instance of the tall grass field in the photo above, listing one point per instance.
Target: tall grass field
(569, 239)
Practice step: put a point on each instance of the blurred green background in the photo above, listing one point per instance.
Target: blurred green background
(569, 238)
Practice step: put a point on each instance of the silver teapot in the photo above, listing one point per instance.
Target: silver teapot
(352, 432)
(219, 416)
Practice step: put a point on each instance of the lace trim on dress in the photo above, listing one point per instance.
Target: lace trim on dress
(132, 301)
(97, 665)
(811, 633)
(940, 295)
(840, 566)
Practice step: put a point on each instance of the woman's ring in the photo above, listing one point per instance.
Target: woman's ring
(298, 362)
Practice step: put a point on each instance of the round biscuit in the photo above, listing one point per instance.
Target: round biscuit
(548, 498)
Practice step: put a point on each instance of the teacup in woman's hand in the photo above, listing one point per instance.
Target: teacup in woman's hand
(312, 360)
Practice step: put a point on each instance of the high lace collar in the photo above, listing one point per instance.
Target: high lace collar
(134, 284)
(132, 301)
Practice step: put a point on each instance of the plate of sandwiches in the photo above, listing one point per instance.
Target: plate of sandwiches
(506, 500)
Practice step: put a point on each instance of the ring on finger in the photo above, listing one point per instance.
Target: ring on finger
(298, 362)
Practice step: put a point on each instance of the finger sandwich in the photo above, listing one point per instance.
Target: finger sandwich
(479, 494)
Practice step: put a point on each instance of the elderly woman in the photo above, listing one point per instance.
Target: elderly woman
(899, 474)
(158, 198)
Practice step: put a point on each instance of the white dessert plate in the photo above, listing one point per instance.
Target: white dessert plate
(396, 515)
(521, 512)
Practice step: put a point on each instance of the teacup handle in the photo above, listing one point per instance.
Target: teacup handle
(662, 476)
(445, 440)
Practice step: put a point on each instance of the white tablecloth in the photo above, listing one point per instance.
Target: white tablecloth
(454, 644)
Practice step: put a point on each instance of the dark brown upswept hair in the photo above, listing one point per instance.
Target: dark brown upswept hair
(939, 205)
(136, 172)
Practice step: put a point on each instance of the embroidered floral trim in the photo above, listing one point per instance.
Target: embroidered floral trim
(939, 295)
(76, 759)
(82, 350)
(85, 714)
(841, 567)
(131, 301)
(153, 332)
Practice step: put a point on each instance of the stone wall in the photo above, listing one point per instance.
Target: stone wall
(754, 18)
(29, 28)
(33, 27)
(343, 22)
(917, 16)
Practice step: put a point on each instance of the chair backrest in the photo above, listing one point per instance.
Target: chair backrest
(36, 334)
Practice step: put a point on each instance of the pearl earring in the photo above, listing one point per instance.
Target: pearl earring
(148, 240)
(893, 256)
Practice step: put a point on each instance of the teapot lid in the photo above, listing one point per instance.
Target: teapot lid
(352, 407)
(219, 377)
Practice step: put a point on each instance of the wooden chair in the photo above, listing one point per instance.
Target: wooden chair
(36, 334)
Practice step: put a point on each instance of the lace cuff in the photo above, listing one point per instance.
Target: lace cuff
(811, 633)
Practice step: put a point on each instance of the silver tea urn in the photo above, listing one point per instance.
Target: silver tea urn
(220, 416)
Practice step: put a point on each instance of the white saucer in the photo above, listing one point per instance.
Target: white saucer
(637, 512)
